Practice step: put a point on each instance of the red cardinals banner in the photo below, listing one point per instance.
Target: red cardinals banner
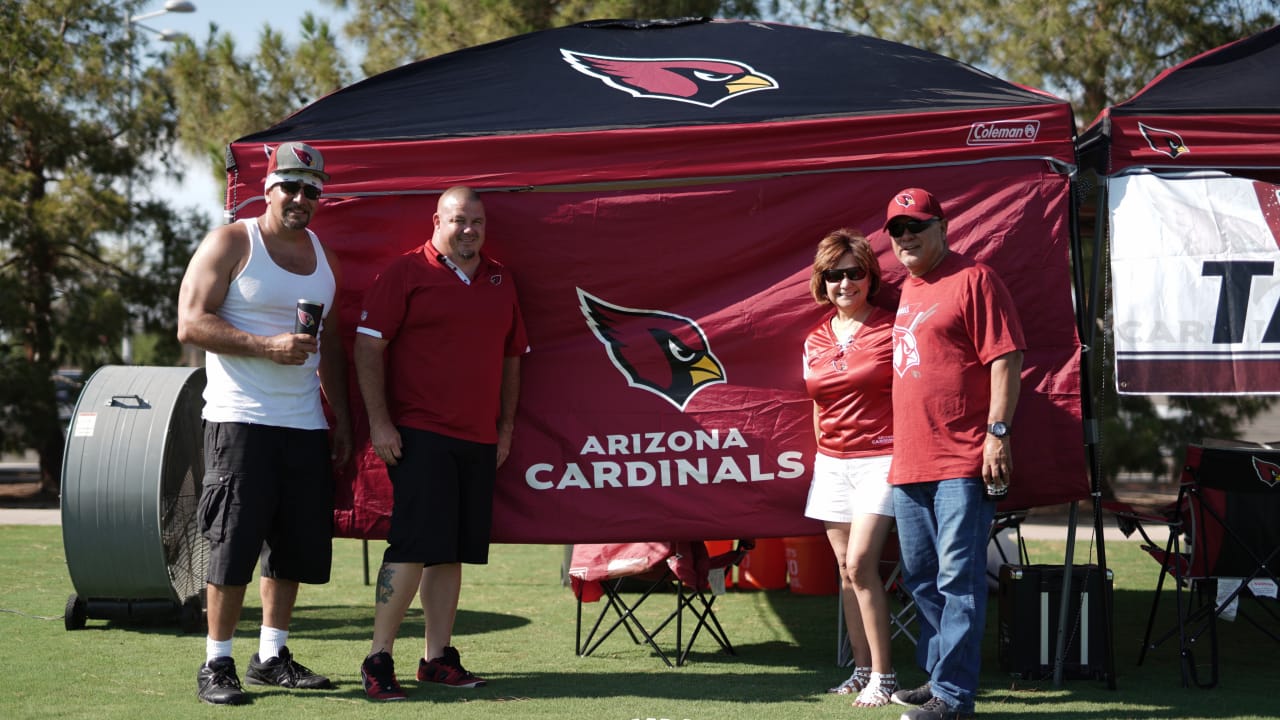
(663, 395)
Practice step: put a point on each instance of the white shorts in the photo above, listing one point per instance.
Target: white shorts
(844, 487)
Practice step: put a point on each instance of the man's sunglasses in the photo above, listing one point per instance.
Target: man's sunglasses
(915, 227)
(835, 275)
(291, 188)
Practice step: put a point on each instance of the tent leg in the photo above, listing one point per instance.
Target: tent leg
(1064, 607)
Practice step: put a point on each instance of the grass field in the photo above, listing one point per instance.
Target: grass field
(516, 628)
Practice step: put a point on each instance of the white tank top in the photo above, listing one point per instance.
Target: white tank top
(262, 300)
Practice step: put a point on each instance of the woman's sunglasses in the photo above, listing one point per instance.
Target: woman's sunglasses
(835, 275)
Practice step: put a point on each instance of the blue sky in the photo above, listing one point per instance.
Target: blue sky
(243, 20)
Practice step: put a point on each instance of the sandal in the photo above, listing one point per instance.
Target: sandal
(878, 691)
(856, 682)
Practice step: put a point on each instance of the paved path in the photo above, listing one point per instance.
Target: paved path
(30, 516)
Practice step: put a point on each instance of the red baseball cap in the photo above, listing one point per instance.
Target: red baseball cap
(915, 203)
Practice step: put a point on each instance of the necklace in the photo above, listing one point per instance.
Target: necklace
(844, 330)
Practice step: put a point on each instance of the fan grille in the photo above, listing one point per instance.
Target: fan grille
(185, 549)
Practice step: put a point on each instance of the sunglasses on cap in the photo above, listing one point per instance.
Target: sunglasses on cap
(835, 275)
(291, 188)
(915, 227)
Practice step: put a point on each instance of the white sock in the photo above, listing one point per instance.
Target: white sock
(216, 648)
(270, 640)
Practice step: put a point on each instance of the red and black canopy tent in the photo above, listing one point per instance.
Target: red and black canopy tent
(1191, 212)
(1221, 108)
(658, 190)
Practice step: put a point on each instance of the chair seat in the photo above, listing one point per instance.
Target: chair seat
(627, 575)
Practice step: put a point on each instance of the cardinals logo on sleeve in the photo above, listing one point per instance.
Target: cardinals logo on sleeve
(664, 353)
(700, 81)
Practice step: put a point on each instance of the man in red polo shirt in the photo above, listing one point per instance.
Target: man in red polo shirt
(437, 355)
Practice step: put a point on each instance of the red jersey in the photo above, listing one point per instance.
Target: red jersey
(448, 341)
(851, 385)
(951, 324)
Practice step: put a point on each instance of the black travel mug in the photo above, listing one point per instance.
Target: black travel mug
(307, 319)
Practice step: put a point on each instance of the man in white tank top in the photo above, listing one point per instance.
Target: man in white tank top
(268, 486)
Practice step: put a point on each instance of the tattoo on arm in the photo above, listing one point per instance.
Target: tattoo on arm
(383, 590)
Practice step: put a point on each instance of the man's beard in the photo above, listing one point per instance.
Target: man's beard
(295, 222)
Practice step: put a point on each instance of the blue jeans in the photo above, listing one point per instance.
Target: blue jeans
(942, 532)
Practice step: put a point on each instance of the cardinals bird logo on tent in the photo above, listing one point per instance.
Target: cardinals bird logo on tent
(700, 81)
(1166, 142)
(664, 353)
(1268, 472)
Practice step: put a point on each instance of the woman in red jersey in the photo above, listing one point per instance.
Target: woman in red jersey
(847, 371)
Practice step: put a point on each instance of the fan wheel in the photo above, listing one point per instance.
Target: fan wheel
(76, 614)
(192, 616)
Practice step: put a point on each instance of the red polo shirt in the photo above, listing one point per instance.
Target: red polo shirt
(448, 340)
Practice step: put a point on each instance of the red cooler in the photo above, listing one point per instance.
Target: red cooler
(765, 567)
(811, 566)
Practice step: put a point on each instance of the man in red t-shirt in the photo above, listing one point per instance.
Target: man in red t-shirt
(957, 360)
(437, 354)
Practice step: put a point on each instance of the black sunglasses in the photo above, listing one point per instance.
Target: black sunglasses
(915, 227)
(835, 275)
(291, 188)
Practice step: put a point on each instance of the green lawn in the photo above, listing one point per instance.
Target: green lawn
(516, 628)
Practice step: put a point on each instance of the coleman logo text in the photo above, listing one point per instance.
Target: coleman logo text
(1003, 132)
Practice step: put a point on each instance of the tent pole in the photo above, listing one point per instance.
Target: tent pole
(1085, 314)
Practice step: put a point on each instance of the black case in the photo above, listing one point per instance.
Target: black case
(1030, 603)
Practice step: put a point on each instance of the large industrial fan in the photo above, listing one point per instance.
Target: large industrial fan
(131, 479)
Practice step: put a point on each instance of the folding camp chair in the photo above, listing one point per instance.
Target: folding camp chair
(1223, 540)
(625, 575)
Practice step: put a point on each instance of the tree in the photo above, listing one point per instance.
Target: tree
(221, 95)
(78, 258)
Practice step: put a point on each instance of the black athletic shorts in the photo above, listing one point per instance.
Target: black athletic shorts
(268, 493)
(442, 489)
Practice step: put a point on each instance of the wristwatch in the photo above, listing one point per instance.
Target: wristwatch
(999, 429)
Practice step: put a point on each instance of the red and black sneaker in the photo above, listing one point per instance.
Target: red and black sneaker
(447, 670)
(378, 671)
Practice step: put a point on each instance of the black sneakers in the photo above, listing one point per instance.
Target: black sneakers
(447, 670)
(935, 709)
(913, 696)
(285, 672)
(218, 684)
(378, 672)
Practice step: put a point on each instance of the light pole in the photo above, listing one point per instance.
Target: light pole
(166, 35)
(170, 6)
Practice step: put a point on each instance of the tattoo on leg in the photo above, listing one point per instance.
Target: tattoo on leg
(383, 591)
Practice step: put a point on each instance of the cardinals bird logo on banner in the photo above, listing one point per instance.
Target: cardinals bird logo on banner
(664, 353)
(700, 81)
